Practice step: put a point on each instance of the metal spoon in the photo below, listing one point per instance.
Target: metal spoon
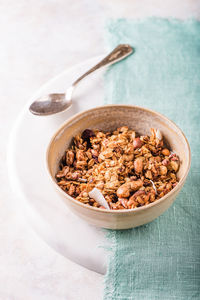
(54, 103)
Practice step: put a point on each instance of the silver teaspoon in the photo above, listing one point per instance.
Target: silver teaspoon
(54, 103)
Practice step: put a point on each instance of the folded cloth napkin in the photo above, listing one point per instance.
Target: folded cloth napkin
(160, 260)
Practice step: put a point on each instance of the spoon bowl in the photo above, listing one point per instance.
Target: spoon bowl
(49, 104)
(52, 103)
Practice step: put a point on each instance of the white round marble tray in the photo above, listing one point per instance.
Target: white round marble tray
(35, 196)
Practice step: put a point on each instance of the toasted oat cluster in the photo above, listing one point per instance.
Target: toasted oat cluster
(129, 170)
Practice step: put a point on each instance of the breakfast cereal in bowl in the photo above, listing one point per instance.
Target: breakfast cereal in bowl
(119, 169)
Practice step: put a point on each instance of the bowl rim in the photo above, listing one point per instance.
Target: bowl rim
(125, 211)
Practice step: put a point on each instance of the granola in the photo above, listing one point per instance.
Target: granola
(129, 170)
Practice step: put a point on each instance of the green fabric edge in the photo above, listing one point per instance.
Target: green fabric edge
(111, 235)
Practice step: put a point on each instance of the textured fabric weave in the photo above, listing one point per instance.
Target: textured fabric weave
(160, 260)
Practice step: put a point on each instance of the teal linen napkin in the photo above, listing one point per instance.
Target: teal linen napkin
(160, 260)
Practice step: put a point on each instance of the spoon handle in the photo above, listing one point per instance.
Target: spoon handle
(120, 52)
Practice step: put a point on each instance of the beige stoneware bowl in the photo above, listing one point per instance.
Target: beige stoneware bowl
(108, 118)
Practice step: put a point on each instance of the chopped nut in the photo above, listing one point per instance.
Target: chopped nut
(152, 197)
(80, 155)
(166, 152)
(128, 157)
(137, 143)
(107, 153)
(72, 190)
(80, 164)
(63, 172)
(91, 162)
(136, 194)
(157, 158)
(112, 185)
(130, 172)
(138, 165)
(174, 165)
(69, 157)
(135, 185)
(123, 191)
(75, 176)
(163, 170)
(137, 199)
(148, 174)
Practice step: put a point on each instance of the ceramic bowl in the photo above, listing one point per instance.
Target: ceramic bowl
(108, 118)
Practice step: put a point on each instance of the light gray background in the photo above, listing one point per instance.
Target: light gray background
(39, 39)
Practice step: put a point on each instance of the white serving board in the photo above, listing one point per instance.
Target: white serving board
(33, 191)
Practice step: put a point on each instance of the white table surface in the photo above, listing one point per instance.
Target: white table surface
(38, 40)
